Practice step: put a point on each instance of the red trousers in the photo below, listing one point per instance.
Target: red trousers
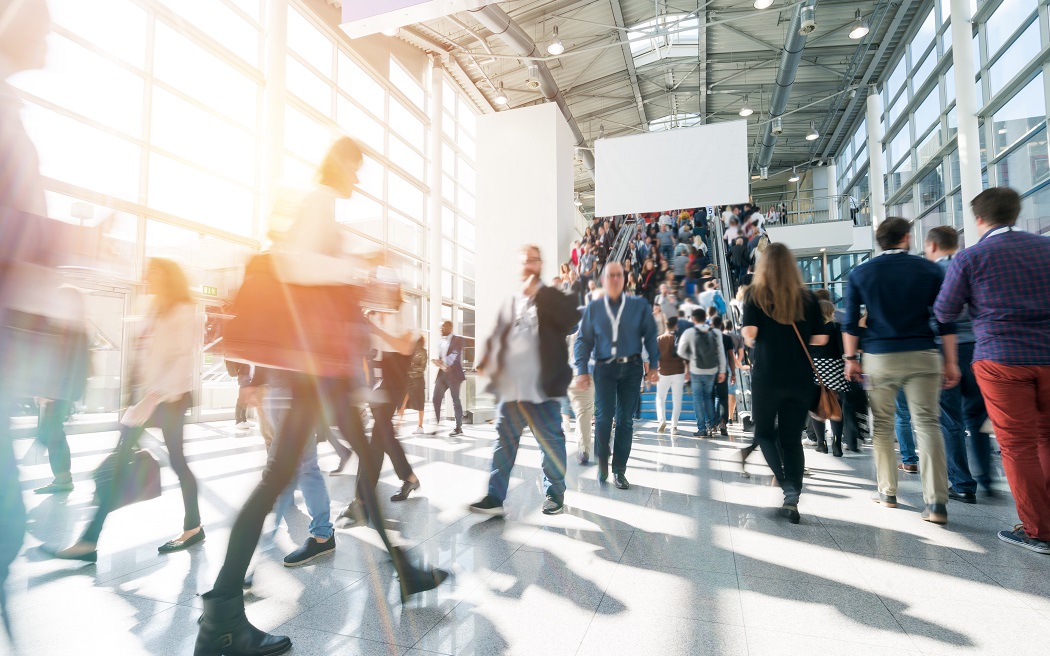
(1018, 402)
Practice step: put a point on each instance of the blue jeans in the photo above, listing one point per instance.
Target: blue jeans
(617, 388)
(905, 437)
(951, 430)
(974, 416)
(545, 421)
(703, 400)
(309, 479)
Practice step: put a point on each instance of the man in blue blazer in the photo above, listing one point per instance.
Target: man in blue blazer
(450, 374)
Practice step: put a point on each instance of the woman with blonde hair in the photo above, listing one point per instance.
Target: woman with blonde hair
(163, 375)
(780, 318)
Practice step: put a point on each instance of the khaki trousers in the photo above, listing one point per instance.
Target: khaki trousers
(583, 407)
(919, 373)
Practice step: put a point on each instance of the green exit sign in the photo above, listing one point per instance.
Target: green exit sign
(209, 291)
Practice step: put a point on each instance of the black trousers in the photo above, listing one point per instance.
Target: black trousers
(51, 433)
(171, 418)
(296, 431)
(721, 392)
(854, 416)
(780, 417)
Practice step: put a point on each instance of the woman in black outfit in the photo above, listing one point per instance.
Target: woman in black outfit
(783, 388)
(828, 360)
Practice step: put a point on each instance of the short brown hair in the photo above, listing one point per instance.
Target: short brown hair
(945, 238)
(822, 294)
(997, 206)
(892, 231)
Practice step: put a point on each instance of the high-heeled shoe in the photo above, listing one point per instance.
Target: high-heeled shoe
(67, 554)
(406, 489)
(414, 580)
(225, 631)
(836, 448)
(822, 447)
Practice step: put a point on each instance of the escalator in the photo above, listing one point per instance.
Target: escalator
(620, 246)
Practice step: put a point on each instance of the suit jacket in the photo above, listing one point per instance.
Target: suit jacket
(454, 360)
(557, 315)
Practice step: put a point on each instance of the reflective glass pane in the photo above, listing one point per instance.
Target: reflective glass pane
(360, 213)
(310, 88)
(896, 79)
(405, 196)
(448, 222)
(466, 233)
(1014, 58)
(467, 177)
(74, 152)
(1025, 167)
(296, 174)
(1024, 111)
(1005, 21)
(88, 84)
(406, 84)
(359, 85)
(405, 123)
(923, 70)
(305, 136)
(931, 188)
(190, 132)
(928, 111)
(405, 234)
(448, 159)
(1035, 212)
(360, 125)
(309, 42)
(924, 37)
(900, 144)
(116, 26)
(467, 118)
(213, 202)
(406, 157)
(448, 97)
(178, 61)
(370, 178)
(221, 23)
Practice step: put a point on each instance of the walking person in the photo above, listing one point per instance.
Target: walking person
(702, 348)
(828, 361)
(898, 289)
(613, 330)
(780, 319)
(54, 412)
(164, 372)
(582, 403)
(1004, 279)
(721, 390)
(672, 377)
(415, 396)
(527, 362)
(450, 375)
(310, 256)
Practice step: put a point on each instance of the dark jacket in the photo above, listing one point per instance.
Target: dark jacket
(557, 315)
(454, 373)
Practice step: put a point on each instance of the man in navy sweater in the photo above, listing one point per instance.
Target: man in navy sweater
(899, 290)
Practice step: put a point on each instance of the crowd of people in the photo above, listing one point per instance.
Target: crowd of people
(934, 345)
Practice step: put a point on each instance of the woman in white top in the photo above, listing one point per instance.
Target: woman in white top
(310, 254)
(162, 379)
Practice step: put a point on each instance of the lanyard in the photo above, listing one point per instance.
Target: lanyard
(615, 321)
(998, 231)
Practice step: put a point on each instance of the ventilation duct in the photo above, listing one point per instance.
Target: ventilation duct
(786, 71)
(505, 29)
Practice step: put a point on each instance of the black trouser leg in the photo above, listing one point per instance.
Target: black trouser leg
(172, 420)
(721, 392)
(129, 438)
(51, 433)
(296, 429)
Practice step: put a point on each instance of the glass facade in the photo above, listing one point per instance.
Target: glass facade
(126, 124)
(1010, 44)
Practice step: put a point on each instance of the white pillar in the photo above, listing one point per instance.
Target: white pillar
(273, 106)
(833, 192)
(966, 113)
(435, 207)
(876, 163)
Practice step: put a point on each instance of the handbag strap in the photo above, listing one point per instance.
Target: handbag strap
(808, 356)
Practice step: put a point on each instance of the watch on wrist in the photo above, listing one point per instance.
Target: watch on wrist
(852, 358)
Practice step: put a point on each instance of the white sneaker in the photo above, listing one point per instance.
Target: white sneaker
(674, 430)
(809, 442)
(662, 428)
(418, 431)
(242, 425)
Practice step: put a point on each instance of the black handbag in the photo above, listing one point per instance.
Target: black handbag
(141, 480)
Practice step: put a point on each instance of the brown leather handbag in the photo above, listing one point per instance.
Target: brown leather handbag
(304, 328)
(827, 405)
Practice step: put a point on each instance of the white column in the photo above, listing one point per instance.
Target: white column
(273, 106)
(435, 208)
(876, 163)
(833, 192)
(966, 113)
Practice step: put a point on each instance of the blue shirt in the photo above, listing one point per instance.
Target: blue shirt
(1005, 280)
(899, 290)
(963, 325)
(637, 325)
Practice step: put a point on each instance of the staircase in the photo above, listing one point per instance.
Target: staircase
(649, 407)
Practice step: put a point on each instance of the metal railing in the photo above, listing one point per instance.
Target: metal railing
(623, 239)
(808, 210)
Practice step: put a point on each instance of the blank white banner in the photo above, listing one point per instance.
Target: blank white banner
(656, 171)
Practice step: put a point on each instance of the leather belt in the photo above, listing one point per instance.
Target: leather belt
(623, 360)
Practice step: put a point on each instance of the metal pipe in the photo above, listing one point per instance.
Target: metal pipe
(504, 28)
(790, 57)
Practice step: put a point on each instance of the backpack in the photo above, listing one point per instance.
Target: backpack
(719, 303)
(705, 349)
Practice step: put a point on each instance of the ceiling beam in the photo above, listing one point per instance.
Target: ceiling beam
(628, 57)
(752, 39)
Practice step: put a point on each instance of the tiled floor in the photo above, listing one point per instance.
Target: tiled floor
(690, 560)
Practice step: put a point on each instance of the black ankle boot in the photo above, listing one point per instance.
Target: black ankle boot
(225, 631)
(836, 447)
(412, 579)
(822, 446)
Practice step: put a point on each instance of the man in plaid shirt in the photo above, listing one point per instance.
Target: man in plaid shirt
(1005, 280)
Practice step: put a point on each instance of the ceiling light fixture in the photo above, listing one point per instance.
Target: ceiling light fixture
(813, 135)
(501, 96)
(764, 172)
(763, 4)
(808, 21)
(578, 202)
(392, 31)
(794, 175)
(745, 109)
(859, 29)
(555, 47)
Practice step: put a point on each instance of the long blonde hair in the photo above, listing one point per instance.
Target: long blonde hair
(170, 287)
(777, 287)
